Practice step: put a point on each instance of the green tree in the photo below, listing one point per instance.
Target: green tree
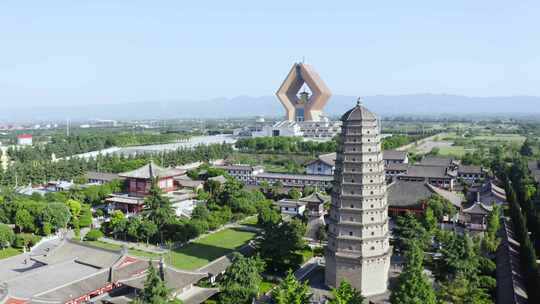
(441, 207)
(413, 286)
(85, 216)
(6, 236)
(490, 241)
(57, 214)
(430, 221)
(462, 291)
(133, 226)
(294, 194)
(526, 148)
(74, 207)
(147, 230)
(24, 221)
(155, 291)
(157, 207)
(290, 291)
(280, 243)
(93, 235)
(346, 294)
(410, 229)
(240, 283)
(268, 218)
(321, 234)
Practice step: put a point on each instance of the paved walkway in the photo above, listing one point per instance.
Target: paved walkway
(140, 246)
(425, 142)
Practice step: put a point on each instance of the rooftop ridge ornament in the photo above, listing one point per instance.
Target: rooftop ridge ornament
(297, 109)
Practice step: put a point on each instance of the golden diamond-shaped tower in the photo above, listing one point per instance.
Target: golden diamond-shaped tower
(301, 106)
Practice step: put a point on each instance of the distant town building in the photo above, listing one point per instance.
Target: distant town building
(24, 140)
(295, 180)
(358, 248)
(303, 94)
(244, 173)
(282, 128)
(326, 163)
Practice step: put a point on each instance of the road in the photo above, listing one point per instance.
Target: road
(191, 143)
(425, 145)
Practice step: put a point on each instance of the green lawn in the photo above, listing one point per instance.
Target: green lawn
(457, 151)
(265, 286)
(501, 137)
(250, 221)
(199, 253)
(307, 254)
(9, 252)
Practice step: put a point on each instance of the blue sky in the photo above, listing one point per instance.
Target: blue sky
(102, 51)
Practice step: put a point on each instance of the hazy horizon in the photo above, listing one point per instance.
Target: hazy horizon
(113, 52)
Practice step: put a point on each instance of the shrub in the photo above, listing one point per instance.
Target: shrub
(93, 235)
(25, 239)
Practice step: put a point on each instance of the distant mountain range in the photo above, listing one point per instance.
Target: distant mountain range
(245, 106)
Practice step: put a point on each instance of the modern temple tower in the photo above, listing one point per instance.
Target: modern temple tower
(300, 106)
(358, 248)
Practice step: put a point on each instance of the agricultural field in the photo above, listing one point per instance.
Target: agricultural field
(452, 144)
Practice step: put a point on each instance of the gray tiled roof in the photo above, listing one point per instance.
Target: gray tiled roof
(396, 167)
(151, 170)
(46, 278)
(426, 171)
(101, 176)
(470, 169)
(436, 161)
(83, 253)
(394, 155)
(61, 294)
(198, 295)
(408, 194)
(510, 284)
(296, 176)
(316, 197)
(330, 158)
(478, 208)
(174, 279)
(359, 112)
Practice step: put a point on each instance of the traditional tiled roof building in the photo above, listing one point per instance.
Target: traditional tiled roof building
(358, 242)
